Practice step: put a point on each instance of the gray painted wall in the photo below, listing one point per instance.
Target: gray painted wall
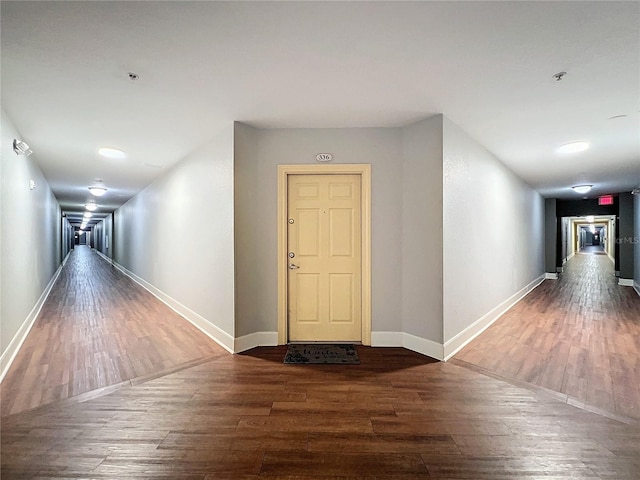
(493, 224)
(103, 236)
(627, 232)
(258, 153)
(177, 234)
(422, 247)
(636, 241)
(30, 231)
(251, 273)
(550, 235)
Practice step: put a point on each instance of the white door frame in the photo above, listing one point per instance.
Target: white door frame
(364, 171)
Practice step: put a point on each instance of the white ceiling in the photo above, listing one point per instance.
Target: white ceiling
(488, 66)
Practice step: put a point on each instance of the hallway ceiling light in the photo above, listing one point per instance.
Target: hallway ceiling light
(573, 147)
(87, 214)
(582, 188)
(97, 190)
(91, 206)
(110, 152)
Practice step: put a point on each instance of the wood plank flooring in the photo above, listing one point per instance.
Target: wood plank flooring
(111, 384)
(97, 328)
(398, 415)
(578, 335)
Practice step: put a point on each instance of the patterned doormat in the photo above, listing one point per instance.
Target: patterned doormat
(318, 353)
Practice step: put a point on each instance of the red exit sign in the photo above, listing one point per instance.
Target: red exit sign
(605, 200)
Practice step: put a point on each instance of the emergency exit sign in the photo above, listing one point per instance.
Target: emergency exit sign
(605, 200)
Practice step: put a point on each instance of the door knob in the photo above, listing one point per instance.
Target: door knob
(293, 267)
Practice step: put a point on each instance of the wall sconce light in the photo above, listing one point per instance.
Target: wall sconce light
(21, 148)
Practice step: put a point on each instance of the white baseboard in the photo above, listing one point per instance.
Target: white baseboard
(571, 256)
(104, 257)
(550, 276)
(625, 282)
(218, 335)
(400, 339)
(9, 355)
(636, 287)
(257, 339)
(613, 260)
(458, 342)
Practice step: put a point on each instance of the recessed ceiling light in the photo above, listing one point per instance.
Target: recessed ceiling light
(110, 152)
(582, 188)
(573, 147)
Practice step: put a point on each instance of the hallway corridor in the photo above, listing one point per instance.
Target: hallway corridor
(180, 407)
(98, 328)
(578, 336)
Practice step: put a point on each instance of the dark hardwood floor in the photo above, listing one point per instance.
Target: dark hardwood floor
(189, 410)
(578, 336)
(398, 415)
(97, 328)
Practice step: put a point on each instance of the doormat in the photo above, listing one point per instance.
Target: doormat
(318, 353)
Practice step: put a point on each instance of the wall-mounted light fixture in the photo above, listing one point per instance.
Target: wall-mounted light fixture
(582, 188)
(21, 148)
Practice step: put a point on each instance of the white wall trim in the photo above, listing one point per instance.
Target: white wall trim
(636, 287)
(420, 345)
(423, 345)
(550, 276)
(454, 345)
(256, 339)
(386, 339)
(103, 256)
(218, 335)
(9, 355)
(625, 282)
(613, 260)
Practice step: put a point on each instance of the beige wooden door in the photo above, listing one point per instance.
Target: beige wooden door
(324, 258)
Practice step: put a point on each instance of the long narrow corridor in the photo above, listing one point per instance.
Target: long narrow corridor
(98, 328)
(397, 415)
(578, 336)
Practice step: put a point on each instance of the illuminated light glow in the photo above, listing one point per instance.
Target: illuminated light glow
(605, 200)
(110, 152)
(590, 218)
(87, 214)
(582, 188)
(91, 206)
(573, 147)
(97, 191)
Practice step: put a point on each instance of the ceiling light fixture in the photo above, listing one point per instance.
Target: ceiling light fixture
(21, 148)
(573, 147)
(87, 214)
(110, 152)
(98, 189)
(582, 188)
(91, 206)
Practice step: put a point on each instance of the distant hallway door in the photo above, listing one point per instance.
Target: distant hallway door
(324, 258)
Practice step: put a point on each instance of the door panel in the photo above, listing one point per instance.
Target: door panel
(324, 285)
